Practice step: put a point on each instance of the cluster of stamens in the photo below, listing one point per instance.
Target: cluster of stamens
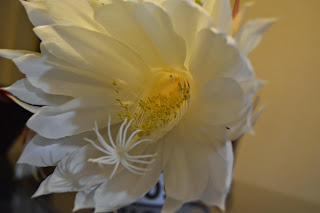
(157, 113)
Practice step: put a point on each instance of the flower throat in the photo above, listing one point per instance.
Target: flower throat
(160, 106)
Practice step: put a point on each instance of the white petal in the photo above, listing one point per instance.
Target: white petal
(78, 13)
(157, 24)
(42, 152)
(185, 172)
(46, 73)
(26, 92)
(30, 108)
(217, 55)
(220, 176)
(218, 102)
(171, 205)
(38, 12)
(126, 187)
(75, 173)
(130, 33)
(74, 117)
(94, 52)
(220, 11)
(54, 76)
(251, 34)
(12, 54)
(84, 199)
(188, 19)
(240, 124)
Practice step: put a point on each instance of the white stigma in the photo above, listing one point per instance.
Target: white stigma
(117, 152)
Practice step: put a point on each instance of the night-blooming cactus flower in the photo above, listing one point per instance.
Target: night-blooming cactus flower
(125, 90)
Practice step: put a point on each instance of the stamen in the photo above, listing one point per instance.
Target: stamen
(160, 104)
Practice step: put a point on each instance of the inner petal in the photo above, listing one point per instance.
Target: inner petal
(160, 104)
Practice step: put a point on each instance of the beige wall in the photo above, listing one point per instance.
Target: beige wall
(283, 155)
(15, 33)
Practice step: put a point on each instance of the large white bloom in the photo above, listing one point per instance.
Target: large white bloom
(169, 68)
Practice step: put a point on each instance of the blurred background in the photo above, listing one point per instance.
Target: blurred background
(276, 170)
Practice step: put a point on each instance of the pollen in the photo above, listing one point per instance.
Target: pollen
(161, 108)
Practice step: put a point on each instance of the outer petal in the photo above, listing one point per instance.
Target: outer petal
(74, 117)
(188, 19)
(216, 55)
(126, 187)
(251, 34)
(185, 171)
(55, 77)
(94, 52)
(12, 54)
(75, 173)
(241, 124)
(46, 73)
(44, 152)
(131, 33)
(220, 176)
(85, 199)
(30, 108)
(220, 11)
(26, 92)
(78, 13)
(218, 102)
(38, 12)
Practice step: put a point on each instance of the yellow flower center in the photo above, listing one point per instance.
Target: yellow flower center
(161, 105)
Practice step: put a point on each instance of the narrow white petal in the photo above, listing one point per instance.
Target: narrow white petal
(45, 73)
(75, 173)
(93, 51)
(72, 118)
(250, 35)
(44, 152)
(12, 54)
(26, 92)
(78, 13)
(220, 11)
(38, 12)
(30, 108)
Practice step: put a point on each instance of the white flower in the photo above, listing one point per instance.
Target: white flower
(167, 66)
